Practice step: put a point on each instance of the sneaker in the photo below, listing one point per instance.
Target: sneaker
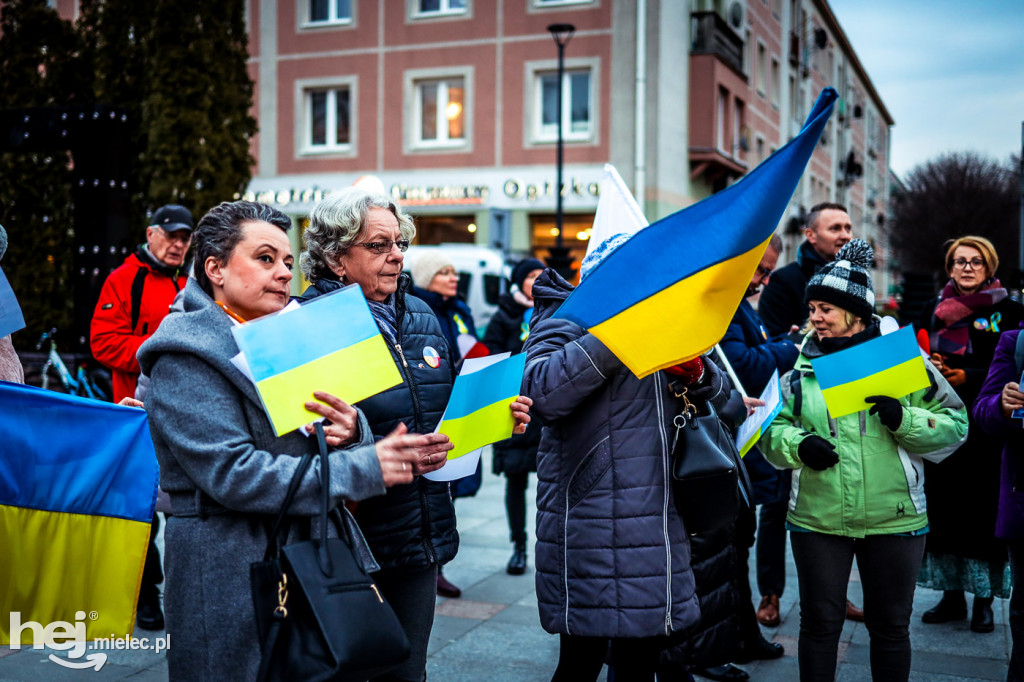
(446, 589)
(768, 611)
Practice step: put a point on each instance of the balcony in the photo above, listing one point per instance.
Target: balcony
(712, 35)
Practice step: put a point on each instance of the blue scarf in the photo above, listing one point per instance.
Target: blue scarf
(386, 317)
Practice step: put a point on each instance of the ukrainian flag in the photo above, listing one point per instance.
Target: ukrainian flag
(331, 344)
(668, 294)
(478, 411)
(890, 365)
(78, 484)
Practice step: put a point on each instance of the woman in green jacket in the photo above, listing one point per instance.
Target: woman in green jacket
(858, 481)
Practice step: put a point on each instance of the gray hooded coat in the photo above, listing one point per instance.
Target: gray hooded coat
(613, 558)
(227, 473)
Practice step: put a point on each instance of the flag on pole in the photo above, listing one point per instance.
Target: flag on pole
(890, 365)
(478, 411)
(668, 294)
(78, 484)
(331, 344)
(617, 210)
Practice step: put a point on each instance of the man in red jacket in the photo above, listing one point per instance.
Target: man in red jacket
(136, 296)
(134, 301)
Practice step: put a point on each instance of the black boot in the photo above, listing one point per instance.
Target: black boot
(951, 607)
(517, 564)
(149, 615)
(981, 615)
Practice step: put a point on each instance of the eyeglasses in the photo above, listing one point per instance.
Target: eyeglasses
(961, 263)
(385, 245)
(763, 273)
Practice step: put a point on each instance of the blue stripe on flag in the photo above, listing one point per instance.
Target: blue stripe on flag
(720, 227)
(271, 346)
(494, 383)
(865, 359)
(68, 454)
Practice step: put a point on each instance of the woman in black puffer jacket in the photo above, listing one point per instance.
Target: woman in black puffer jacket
(517, 456)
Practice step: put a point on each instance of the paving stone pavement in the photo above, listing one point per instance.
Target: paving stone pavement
(493, 632)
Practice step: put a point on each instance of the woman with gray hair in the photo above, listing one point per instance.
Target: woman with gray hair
(355, 237)
(222, 464)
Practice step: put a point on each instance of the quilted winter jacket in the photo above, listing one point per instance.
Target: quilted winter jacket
(613, 557)
(877, 487)
(413, 525)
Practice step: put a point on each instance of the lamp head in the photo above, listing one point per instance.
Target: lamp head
(562, 33)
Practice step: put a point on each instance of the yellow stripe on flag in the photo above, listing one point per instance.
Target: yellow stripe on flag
(901, 379)
(692, 314)
(477, 429)
(352, 373)
(62, 563)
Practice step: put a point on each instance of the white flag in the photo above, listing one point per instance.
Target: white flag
(617, 210)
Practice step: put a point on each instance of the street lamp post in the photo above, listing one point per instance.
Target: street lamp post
(559, 256)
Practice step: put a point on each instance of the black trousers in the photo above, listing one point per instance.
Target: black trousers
(888, 567)
(152, 573)
(580, 659)
(515, 505)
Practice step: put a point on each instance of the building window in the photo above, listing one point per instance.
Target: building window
(723, 97)
(440, 7)
(776, 86)
(327, 119)
(738, 140)
(556, 3)
(329, 11)
(794, 99)
(440, 118)
(576, 106)
(762, 69)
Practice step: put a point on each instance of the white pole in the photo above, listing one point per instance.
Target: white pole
(730, 371)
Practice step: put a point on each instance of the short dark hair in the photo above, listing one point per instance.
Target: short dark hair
(220, 230)
(812, 217)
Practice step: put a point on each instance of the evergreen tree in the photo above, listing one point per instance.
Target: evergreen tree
(39, 60)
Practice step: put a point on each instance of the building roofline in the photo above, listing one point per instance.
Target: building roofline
(844, 43)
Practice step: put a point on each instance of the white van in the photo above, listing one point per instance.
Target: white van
(483, 276)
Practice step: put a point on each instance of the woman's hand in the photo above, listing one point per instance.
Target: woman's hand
(403, 454)
(888, 409)
(751, 404)
(342, 425)
(131, 402)
(521, 413)
(817, 453)
(1012, 398)
(955, 377)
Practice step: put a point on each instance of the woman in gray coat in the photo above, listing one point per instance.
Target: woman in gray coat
(220, 461)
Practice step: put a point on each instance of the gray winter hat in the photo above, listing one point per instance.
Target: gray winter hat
(845, 282)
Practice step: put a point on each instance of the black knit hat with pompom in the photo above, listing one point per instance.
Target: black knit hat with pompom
(845, 282)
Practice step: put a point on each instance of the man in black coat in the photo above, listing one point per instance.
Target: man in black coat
(782, 303)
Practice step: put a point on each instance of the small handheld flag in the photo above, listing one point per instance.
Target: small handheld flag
(889, 365)
(478, 411)
(668, 294)
(331, 344)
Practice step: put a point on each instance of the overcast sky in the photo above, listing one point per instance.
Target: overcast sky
(951, 73)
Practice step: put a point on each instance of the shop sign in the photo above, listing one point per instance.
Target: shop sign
(516, 189)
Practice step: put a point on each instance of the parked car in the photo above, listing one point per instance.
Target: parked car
(483, 276)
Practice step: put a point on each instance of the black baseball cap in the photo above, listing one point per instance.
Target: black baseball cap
(171, 218)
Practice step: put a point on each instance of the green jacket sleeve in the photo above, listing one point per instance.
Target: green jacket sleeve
(783, 436)
(934, 420)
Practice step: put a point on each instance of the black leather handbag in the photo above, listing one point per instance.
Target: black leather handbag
(318, 614)
(710, 483)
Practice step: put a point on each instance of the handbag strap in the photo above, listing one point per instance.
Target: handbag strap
(268, 649)
(293, 488)
(323, 556)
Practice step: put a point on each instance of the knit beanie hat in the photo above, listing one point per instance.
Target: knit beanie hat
(427, 264)
(602, 251)
(845, 282)
(523, 268)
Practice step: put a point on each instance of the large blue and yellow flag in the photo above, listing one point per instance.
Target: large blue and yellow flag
(78, 484)
(331, 344)
(668, 294)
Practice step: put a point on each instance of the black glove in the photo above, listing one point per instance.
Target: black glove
(817, 453)
(889, 410)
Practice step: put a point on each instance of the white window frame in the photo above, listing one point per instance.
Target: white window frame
(720, 122)
(305, 21)
(304, 113)
(413, 104)
(413, 10)
(775, 87)
(762, 69)
(544, 4)
(533, 132)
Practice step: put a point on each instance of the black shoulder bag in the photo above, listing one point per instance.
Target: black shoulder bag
(709, 480)
(318, 614)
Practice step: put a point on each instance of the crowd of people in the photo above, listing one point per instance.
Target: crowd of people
(913, 487)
